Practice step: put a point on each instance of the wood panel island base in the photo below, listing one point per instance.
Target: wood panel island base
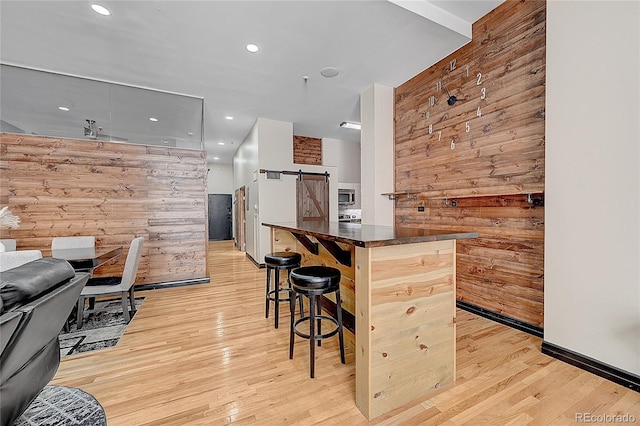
(399, 285)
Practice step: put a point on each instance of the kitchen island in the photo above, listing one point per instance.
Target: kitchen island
(398, 287)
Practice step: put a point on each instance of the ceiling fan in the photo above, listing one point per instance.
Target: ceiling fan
(92, 131)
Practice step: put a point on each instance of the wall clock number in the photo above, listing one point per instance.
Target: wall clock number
(479, 81)
(430, 128)
(439, 135)
(483, 93)
(439, 86)
(467, 127)
(452, 64)
(427, 115)
(467, 70)
(453, 144)
(432, 100)
(479, 112)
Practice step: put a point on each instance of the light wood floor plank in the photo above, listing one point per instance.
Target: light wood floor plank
(205, 355)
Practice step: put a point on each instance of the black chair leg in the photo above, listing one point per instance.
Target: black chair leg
(277, 294)
(266, 307)
(318, 313)
(340, 328)
(312, 335)
(292, 307)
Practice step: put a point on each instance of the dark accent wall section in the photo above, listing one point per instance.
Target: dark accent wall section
(476, 162)
(307, 150)
(115, 191)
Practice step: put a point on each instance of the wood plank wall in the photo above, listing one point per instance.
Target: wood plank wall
(484, 155)
(115, 191)
(307, 150)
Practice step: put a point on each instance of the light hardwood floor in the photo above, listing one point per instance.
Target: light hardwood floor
(205, 355)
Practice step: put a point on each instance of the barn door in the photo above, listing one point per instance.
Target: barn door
(312, 198)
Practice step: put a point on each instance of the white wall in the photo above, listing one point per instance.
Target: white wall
(245, 162)
(345, 155)
(592, 200)
(269, 146)
(220, 178)
(376, 114)
(278, 197)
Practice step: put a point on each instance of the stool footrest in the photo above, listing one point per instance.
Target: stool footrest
(271, 296)
(317, 336)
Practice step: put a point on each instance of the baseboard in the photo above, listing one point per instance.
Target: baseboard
(609, 372)
(169, 284)
(258, 265)
(500, 318)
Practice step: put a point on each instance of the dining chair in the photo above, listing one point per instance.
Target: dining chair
(72, 242)
(115, 286)
(9, 244)
(13, 259)
(85, 241)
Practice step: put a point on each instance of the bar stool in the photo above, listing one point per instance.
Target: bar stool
(277, 261)
(313, 282)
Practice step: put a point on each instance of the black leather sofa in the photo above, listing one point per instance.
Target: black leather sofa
(35, 301)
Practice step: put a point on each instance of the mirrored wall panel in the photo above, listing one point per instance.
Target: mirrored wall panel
(48, 104)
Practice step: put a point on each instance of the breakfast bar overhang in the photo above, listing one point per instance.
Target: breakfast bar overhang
(399, 286)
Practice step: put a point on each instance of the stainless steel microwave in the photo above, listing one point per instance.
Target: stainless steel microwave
(346, 197)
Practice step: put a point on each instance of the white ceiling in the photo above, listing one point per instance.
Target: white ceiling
(198, 48)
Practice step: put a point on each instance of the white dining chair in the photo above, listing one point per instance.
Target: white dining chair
(9, 244)
(115, 286)
(13, 259)
(73, 242)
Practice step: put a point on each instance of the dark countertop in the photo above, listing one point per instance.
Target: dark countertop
(369, 235)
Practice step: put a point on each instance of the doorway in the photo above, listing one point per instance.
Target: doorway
(219, 217)
(239, 218)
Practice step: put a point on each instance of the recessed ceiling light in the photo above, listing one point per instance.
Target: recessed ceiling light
(216, 158)
(228, 117)
(351, 125)
(61, 108)
(100, 9)
(252, 48)
(189, 133)
(153, 119)
(329, 72)
(220, 143)
(164, 141)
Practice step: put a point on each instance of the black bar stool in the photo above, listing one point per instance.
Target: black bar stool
(313, 282)
(277, 261)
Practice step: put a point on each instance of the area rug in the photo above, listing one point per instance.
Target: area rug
(102, 328)
(63, 406)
